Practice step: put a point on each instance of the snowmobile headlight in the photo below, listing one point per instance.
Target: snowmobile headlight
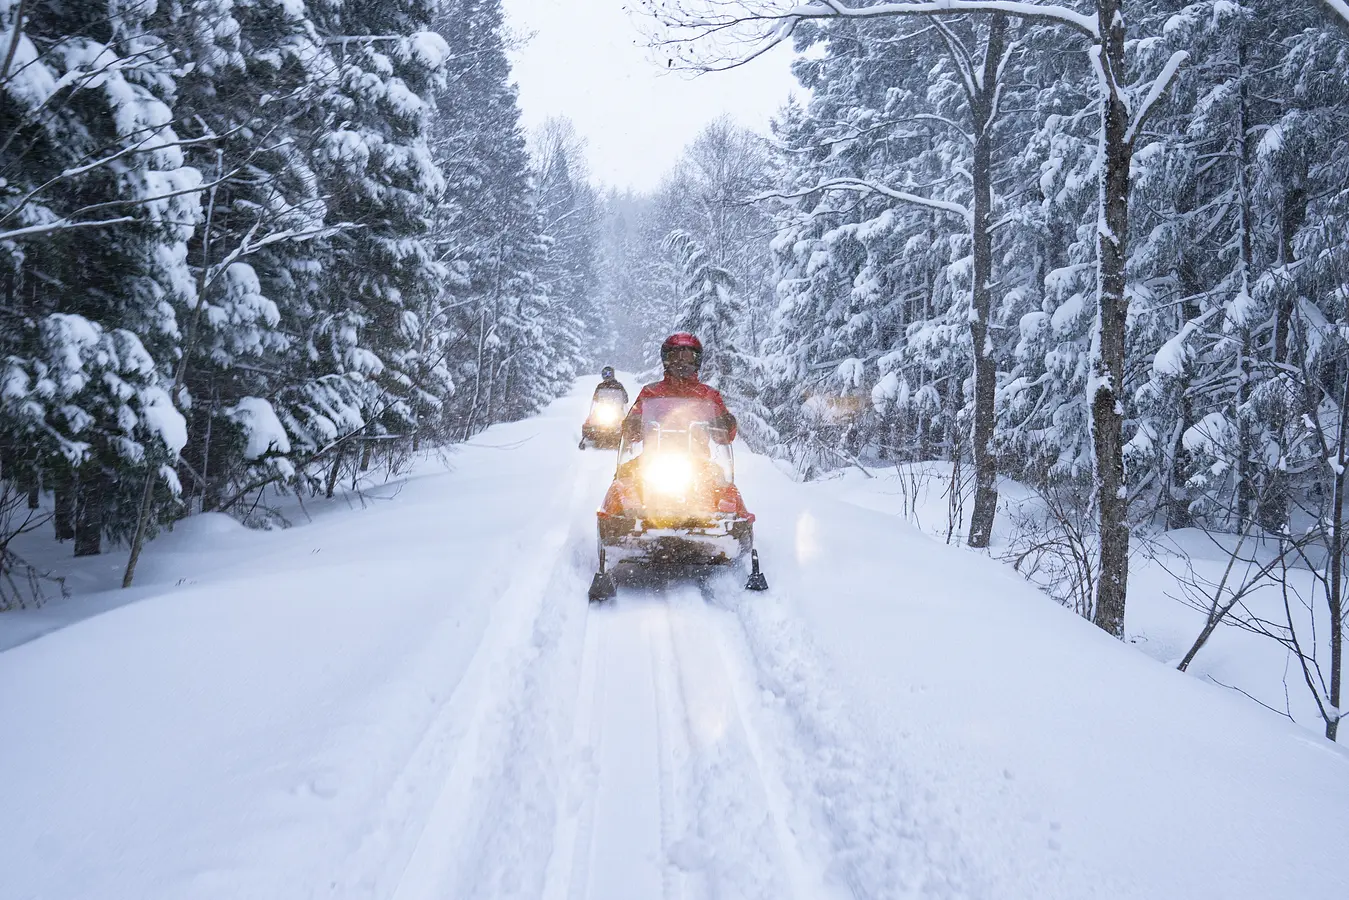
(605, 414)
(668, 474)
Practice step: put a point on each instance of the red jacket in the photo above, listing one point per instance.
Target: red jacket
(673, 387)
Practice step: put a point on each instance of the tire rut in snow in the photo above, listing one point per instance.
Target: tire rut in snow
(882, 844)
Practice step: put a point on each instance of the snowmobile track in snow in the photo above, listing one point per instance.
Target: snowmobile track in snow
(676, 797)
(484, 768)
(673, 743)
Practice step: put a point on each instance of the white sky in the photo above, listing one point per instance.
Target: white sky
(587, 61)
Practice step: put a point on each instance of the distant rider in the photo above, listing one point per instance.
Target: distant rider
(609, 386)
(682, 356)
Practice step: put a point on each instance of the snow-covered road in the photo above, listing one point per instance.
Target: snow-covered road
(412, 701)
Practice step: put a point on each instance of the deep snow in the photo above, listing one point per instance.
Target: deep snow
(410, 699)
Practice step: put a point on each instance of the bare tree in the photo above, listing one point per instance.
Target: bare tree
(719, 34)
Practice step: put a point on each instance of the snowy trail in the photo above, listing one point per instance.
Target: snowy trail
(429, 709)
(677, 794)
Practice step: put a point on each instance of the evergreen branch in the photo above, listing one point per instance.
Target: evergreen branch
(142, 147)
(59, 225)
(862, 186)
(1155, 92)
(1340, 7)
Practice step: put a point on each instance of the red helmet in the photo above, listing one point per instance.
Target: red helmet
(681, 340)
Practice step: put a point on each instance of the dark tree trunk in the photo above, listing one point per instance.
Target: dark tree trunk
(34, 497)
(63, 496)
(1335, 600)
(1335, 573)
(89, 500)
(333, 474)
(1294, 212)
(1178, 463)
(985, 505)
(1274, 502)
(1107, 382)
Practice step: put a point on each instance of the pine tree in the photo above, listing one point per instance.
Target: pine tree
(95, 212)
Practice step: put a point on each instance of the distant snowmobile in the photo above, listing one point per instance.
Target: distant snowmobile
(603, 426)
(673, 500)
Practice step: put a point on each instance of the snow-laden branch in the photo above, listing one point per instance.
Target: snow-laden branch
(731, 20)
(247, 246)
(970, 75)
(862, 186)
(1341, 7)
(829, 9)
(59, 225)
(1155, 92)
(15, 35)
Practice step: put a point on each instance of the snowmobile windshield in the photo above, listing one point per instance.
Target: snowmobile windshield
(607, 409)
(680, 428)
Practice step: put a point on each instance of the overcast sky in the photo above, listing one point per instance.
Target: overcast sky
(588, 62)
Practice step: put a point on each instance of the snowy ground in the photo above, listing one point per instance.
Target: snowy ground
(412, 700)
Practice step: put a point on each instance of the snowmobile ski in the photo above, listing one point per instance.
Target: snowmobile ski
(757, 581)
(603, 586)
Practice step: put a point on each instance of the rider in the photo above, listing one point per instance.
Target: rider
(682, 355)
(609, 384)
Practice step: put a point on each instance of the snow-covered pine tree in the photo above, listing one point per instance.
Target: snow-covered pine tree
(376, 169)
(256, 77)
(568, 212)
(488, 231)
(96, 206)
(712, 309)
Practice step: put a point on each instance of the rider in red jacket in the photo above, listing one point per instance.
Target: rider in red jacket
(682, 356)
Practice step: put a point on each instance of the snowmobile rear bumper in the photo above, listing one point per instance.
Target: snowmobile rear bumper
(713, 541)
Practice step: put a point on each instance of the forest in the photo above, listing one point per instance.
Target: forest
(1096, 251)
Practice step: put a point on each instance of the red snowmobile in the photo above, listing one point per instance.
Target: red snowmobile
(673, 500)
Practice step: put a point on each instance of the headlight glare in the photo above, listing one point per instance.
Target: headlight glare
(668, 474)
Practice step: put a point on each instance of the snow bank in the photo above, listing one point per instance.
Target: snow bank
(1070, 764)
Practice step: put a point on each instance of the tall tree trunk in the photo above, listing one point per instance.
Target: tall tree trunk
(1248, 471)
(985, 366)
(333, 473)
(89, 509)
(1274, 503)
(1294, 212)
(1107, 377)
(1335, 569)
(1178, 464)
(63, 498)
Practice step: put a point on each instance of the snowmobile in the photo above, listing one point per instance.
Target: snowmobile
(673, 500)
(604, 424)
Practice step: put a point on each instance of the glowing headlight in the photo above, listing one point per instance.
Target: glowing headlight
(605, 414)
(668, 474)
